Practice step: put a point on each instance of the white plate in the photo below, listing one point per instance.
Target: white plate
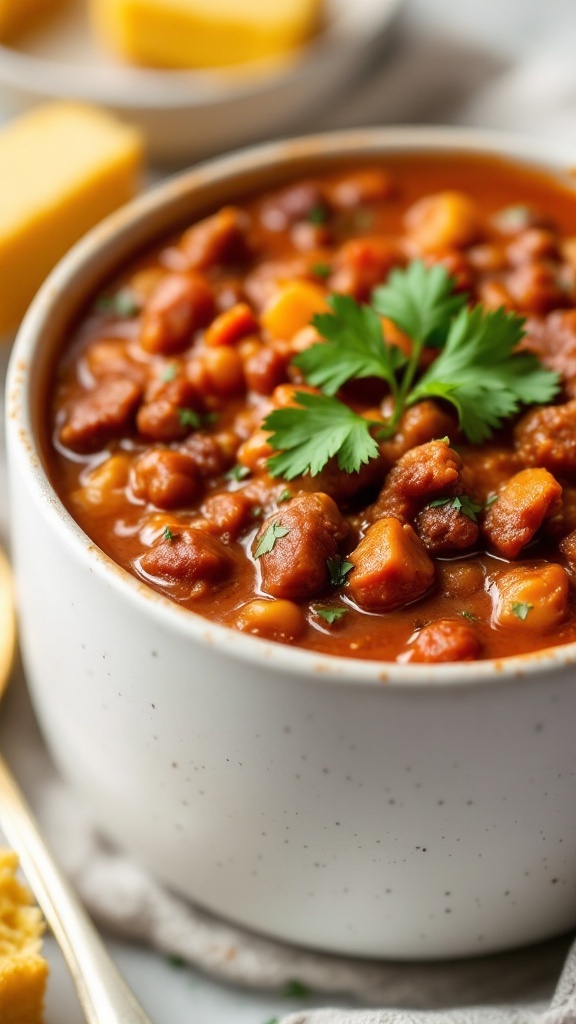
(187, 115)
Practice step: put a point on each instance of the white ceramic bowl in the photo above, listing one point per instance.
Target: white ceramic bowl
(188, 115)
(359, 807)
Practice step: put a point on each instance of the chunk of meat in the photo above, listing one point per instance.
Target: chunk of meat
(547, 437)
(165, 478)
(102, 414)
(296, 566)
(108, 357)
(190, 557)
(445, 220)
(536, 288)
(523, 503)
(423, 422)
(161, 417)
(568, 550)
(361, 264)
(179, 305)
(553, 340)
(360, 188)
(292, 204)
(425, 472)
(443, 640)
(227, 514)
(444, 529)
(530, 597)
(209, 457)
(391, 567)
(220, 239)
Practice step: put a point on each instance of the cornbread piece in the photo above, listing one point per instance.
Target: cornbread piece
(63, 167)
(23, 972)
(18, 15)
(203, 33)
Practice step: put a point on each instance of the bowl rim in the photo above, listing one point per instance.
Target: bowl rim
(159, 89)
(538, 154)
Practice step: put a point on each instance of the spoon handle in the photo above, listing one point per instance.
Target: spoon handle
(102, 991)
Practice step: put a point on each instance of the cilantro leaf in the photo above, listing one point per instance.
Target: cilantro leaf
(461, 503)
(123, 304)
(317, 214)
(521, 609)
(167, 535)
(269, 538)
(321, 270)
(284, 496)
(354, 347)
(470, 616)
(189, 418)
(308, 435)
(296, 990)
(338, 570)
(169, 373)
(238, 472)
(420, 300)
(478, 373)
(330, 615)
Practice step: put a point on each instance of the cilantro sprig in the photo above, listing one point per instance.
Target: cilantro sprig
(477, 370)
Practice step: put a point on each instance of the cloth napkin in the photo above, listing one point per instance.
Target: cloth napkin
(419, 79)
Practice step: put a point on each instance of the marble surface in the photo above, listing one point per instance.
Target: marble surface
(178, 995)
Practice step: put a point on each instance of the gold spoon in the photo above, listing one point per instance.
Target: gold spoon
(102, 991)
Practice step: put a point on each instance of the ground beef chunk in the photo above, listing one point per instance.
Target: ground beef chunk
(445, 530)
(522, 505)
(295, 567)
(547, 437)
(101, 415)
(568, 550)
(428, 471)
(227, 514)
(391, 567)
(161, 417)
(179, 305)
(209, 458)
(423, 422)
(292, 204)
(165, 478)
(220, 239)
(443, 640)
(191, 557)
(553, 340)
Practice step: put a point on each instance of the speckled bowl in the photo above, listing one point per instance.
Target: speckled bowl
(358, 807)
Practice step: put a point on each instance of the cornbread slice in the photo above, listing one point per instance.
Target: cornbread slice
(203, 33)
(63, 167)
(18, 15)
(23, 971)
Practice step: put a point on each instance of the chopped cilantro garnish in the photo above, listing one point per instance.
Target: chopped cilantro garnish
(461, 503)
(470, 616)
(322, 270)
(169, 373)
(238, 472)
(296, 990)
(318, 214)
(338, 570)
(521, 609)
(189, 418)
(490, 501)
(168, 535)
(330, 615)
(284, 496)
(269, 538)
(176, 961)
(123, 304)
